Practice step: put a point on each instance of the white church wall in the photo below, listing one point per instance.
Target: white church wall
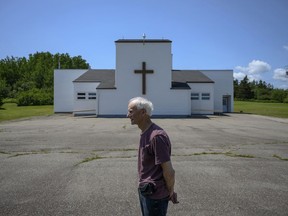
(202, 105)
(129, 57)
(167, 101)
(223, 86)
(111, 102)
(87, 105)
(173, 103)
(158, 57)
(63, 89)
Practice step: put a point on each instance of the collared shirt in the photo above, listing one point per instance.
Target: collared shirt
(154, 149)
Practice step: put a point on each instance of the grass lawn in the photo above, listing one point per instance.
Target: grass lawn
(10, 111)
(267, 109)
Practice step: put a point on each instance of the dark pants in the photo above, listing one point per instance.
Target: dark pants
(153, 207)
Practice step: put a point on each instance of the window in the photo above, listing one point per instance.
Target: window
(92, 95)
(205, 96)
(194, 96)
(81, 95)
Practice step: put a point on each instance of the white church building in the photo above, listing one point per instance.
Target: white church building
(143, 68)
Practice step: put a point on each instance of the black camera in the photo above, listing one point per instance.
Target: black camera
(147, 189)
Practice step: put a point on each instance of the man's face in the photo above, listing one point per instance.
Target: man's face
(134, 114)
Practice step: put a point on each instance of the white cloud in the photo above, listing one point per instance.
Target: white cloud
(285, 47)
(257, 67)
(280, 74)
(256, 77)
(254, 70)
(239, 75)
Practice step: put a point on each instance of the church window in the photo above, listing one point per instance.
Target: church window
(92, 95)
(205, 96)
(81, 95)
(194, 96)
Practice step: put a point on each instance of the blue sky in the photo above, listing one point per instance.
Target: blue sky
(248, 36)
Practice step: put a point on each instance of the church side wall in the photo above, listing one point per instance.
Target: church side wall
(223, 86)
(63, 89)
(89, 104)
(202, 105)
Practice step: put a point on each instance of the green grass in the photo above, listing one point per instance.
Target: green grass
(10, 111)
(230, 154)
(267, 109)
(88, 159)
(280, 158)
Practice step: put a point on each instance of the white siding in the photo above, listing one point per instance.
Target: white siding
(129, 57)
(85, 106)
(167, 101)
(63, 89)
(223, 85)
(201, 106)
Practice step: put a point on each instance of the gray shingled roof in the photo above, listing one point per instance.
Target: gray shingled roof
(180, 78)
(105, 77)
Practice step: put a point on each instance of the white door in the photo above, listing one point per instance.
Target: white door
(225, 104)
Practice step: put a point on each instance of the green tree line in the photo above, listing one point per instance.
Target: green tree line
(29, 81)
(258, 91)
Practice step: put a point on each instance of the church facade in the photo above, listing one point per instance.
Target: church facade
(143, 68)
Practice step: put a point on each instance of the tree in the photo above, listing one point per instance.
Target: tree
(279, 95)
(24, 77)
(236, 88)
(245, 90)
(3, 91)
(261, 91)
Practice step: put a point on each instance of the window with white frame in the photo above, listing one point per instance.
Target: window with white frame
(81, 95)
(205, 96)
(92, 95)
(194, 96)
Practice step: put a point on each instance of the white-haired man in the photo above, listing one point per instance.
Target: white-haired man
(155, 170)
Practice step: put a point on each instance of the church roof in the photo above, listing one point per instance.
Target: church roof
(181, 78)
(105, 77)
(143, 40)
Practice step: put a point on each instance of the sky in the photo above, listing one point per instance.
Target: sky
(249, 37)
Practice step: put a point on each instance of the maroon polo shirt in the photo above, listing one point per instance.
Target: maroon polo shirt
(154, 149)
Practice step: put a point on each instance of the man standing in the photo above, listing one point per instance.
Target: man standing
(155, 170)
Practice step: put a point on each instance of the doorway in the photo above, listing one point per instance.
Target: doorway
(226, 103)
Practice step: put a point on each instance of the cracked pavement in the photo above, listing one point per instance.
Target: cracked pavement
(64, 165)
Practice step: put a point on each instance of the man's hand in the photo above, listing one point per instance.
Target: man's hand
(173, 198)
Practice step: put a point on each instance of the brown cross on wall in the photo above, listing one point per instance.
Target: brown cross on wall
(144, 72)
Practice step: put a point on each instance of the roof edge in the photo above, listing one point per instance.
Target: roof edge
(143, 41)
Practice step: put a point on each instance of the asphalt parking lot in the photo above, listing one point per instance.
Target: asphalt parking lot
(63, 165)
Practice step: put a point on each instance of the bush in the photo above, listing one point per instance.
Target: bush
(3, 91)
(279, 95)
(9, 100)
(35, 97)
(285, 100)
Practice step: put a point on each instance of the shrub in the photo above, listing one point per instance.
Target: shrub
(3, 91)
(35, 97)
(279, 95)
